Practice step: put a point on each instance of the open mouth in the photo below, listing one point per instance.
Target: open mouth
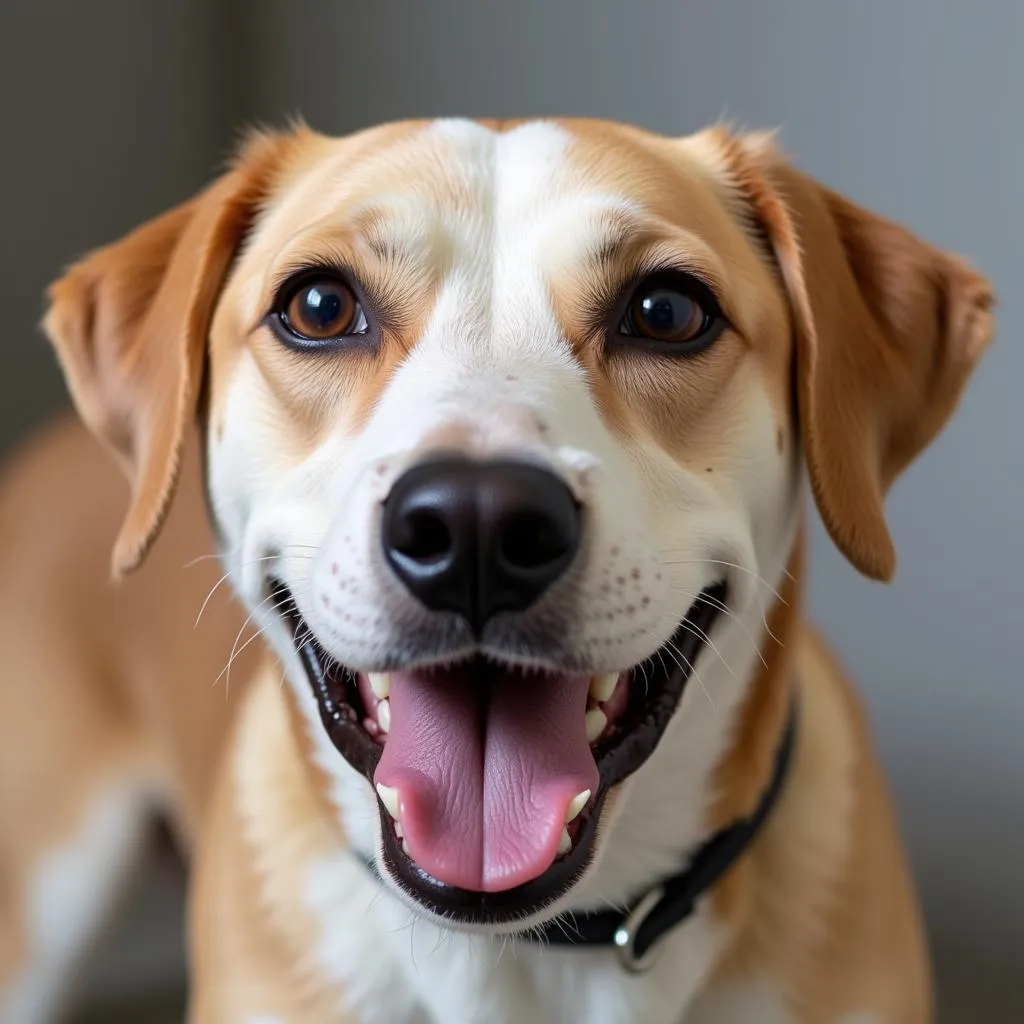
(491, 777)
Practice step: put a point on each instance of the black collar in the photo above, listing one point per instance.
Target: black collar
(637, 929)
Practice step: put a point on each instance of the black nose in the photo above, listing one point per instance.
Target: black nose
(478, 538)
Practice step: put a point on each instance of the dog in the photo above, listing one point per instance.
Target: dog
(504, 431)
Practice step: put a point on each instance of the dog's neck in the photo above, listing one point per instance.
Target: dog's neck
(270, 800)
(763, 716)
(741, 775)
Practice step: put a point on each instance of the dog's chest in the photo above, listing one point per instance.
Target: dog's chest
(397, 967)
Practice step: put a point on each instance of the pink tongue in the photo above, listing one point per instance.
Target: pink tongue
(485, 770)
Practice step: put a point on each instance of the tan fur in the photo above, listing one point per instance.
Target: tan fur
(102, 685)
(905, 322)
(120, 685)
(824, 901)
(153, 295)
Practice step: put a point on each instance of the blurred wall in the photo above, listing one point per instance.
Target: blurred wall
(112, 111)
(912, 108)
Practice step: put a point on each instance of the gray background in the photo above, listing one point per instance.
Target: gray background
(114, 110)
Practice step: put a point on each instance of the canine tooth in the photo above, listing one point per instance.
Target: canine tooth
(384, 715)
(602, 687)
(389, 798)
(596, 721)
(398, 830)
(380, 683)
(405, 848)
(564, 843)
(576, 804)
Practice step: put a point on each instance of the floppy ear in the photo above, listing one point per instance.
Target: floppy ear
(129, 323)
(887, 331)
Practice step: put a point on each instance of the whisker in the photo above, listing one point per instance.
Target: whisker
(729, 612)
(647, 682)
(780, 564)
(620, 908)
(732, 565)
(377, 897)
(209, 596)
(215, 555)
(227, 575)
(688, 666)
(701, 635)
(713, 602)
(236, 651)
(437, 942)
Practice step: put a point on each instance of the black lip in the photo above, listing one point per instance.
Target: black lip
(639, 731)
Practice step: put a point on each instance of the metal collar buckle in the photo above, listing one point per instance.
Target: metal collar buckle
(626, 934)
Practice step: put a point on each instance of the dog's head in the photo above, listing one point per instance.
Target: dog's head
(505, 430)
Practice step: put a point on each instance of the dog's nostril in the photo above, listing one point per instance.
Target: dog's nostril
(479, 538)
(531, 540)
(424, 536)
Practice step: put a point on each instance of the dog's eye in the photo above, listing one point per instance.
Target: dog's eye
(672, 311)
(322, 308)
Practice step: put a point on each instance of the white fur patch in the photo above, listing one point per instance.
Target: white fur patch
(753, 1002)
(68, 898)
(395, 965)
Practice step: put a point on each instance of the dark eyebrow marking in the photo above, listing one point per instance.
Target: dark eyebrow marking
(612, 249)
(622, 236)
(372, 225)
(383, 248)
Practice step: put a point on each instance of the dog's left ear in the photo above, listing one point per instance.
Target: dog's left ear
(129, 323)
(887, 331)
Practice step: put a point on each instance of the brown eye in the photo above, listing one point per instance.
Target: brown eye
(323, 309)
(672, 310)
(667, 315)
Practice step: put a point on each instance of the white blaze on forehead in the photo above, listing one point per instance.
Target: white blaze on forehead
(491, 351)
(495, 286)
(528, 207)
(518, 168)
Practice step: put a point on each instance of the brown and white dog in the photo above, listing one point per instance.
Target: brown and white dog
(504, 429)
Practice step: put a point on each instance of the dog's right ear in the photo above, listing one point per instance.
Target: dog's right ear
(888, 330)
(129, 323)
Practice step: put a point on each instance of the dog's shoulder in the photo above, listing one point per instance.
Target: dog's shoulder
(261, 836)
(830, 881)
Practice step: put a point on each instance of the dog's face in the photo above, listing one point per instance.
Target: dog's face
(505, 432)
(505, 416)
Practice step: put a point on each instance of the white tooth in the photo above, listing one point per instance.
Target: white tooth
(389, 798)
(564, 843)
(596, 721)
(576, 804)
(602, 687)
(384, 715)
(398, 830)
(405, 848)
(380, 683)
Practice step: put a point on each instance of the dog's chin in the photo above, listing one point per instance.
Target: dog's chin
(493, 837)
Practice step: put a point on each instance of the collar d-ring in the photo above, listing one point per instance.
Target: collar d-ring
(626, 934)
